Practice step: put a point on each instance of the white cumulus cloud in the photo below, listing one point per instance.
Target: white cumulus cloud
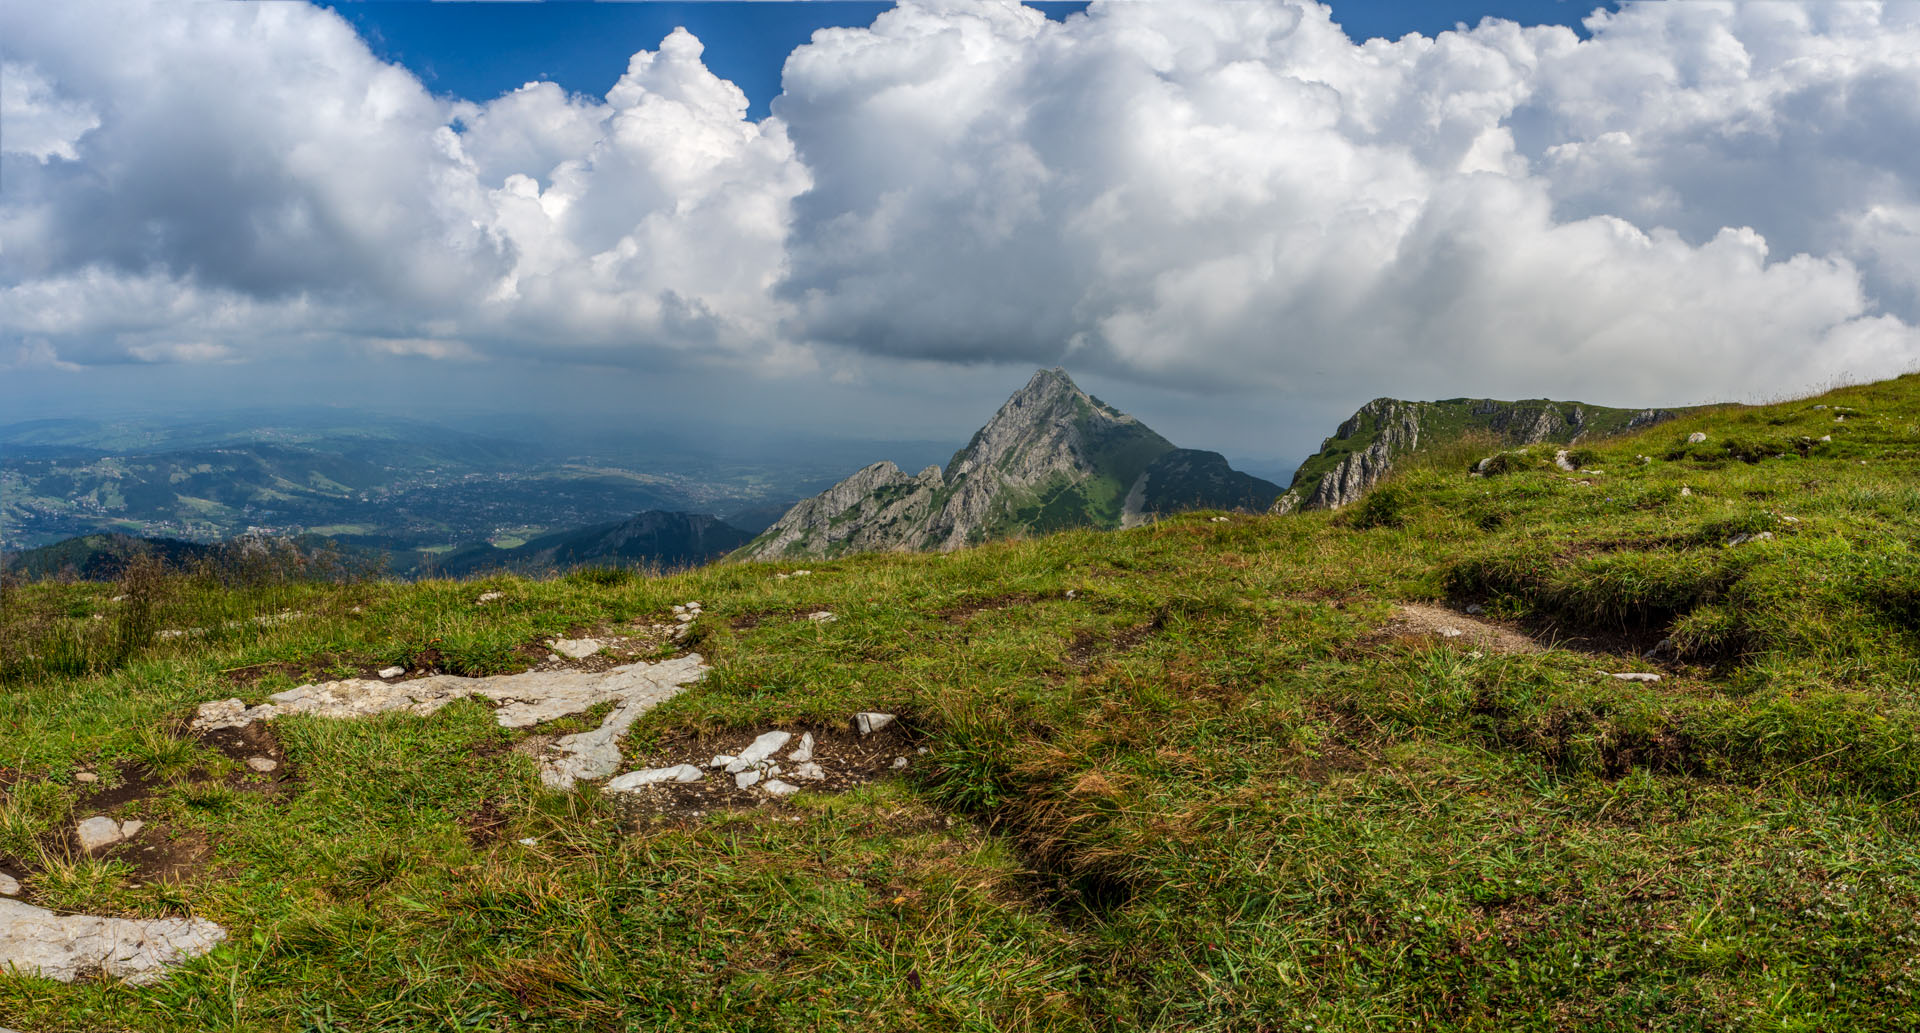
(1700, 200)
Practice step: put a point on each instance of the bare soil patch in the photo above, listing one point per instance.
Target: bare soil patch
(1086, 646)
(1417, 620)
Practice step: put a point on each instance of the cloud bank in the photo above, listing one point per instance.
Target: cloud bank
(1700, 200)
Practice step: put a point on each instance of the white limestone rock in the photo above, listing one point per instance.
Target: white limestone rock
(9, 886)
(487, 597)
(85, 777)
(721, 760)
(99, 832)
(68, 947)
(525, 699)
(809, 772)
(803, 752)
(746, 779)
(822, 617)
(777, 788)
(1637, 676)
(576, 648)
(635, 780)
(1560, 460)
(1695, 438)
(759, 751)
(263, 765)
(392, 672)
(869, 722)
(899, 763)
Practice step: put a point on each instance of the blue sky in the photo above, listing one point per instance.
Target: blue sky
(478, 51)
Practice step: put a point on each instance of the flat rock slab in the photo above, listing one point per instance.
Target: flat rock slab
(576, 648)
(97, 832)
(68, 947)
(524, 699)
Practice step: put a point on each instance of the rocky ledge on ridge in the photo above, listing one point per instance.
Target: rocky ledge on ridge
(1363, 449)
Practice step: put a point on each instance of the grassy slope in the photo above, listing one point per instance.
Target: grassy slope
(1203, 793)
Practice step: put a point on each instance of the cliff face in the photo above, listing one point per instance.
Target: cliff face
(1051, 458)
(1364, 448)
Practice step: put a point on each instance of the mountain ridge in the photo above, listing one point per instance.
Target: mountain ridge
(1365, 446)
(1052, 457)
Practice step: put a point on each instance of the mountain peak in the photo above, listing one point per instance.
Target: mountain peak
(1052, 457)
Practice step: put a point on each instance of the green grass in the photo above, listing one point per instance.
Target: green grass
(1206, 791)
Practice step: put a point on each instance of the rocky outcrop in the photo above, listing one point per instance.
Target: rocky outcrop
(525, 699)
(35, 941)
(878, 509)
(1363, 450)
(1053, 457)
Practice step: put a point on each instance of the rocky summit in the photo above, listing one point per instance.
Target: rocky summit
(1053, 457)
(1364, 448)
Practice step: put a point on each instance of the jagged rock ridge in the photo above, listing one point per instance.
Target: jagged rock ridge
(1053, 457)
(1363, 449)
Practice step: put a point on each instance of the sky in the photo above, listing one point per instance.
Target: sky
(1236, 219)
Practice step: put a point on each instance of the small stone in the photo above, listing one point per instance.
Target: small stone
(809, 772)
(1695, 438)
(487, 597)
(769, 770)
(1451, 632)
(721, 760)
(1560, 460)
(1685, 492)
(1073, 593)
(746, 779)
(576, 648)
(869, 722)
(633, 780)
(98, 832)
(262, 764)
(392, 672)
(529, 841)
(1219, 520)
(1638, 676)
(9, 886)
(899, 763)
(85, 777)
(1476, 609)
(1828, 437)
(923, 751)
(775, 787)
(803, 752)
(822, 616)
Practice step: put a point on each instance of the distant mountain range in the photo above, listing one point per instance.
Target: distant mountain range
(1053, 457)
(654, 539)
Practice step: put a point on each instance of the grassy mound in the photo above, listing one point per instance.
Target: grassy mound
(1188, 777)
